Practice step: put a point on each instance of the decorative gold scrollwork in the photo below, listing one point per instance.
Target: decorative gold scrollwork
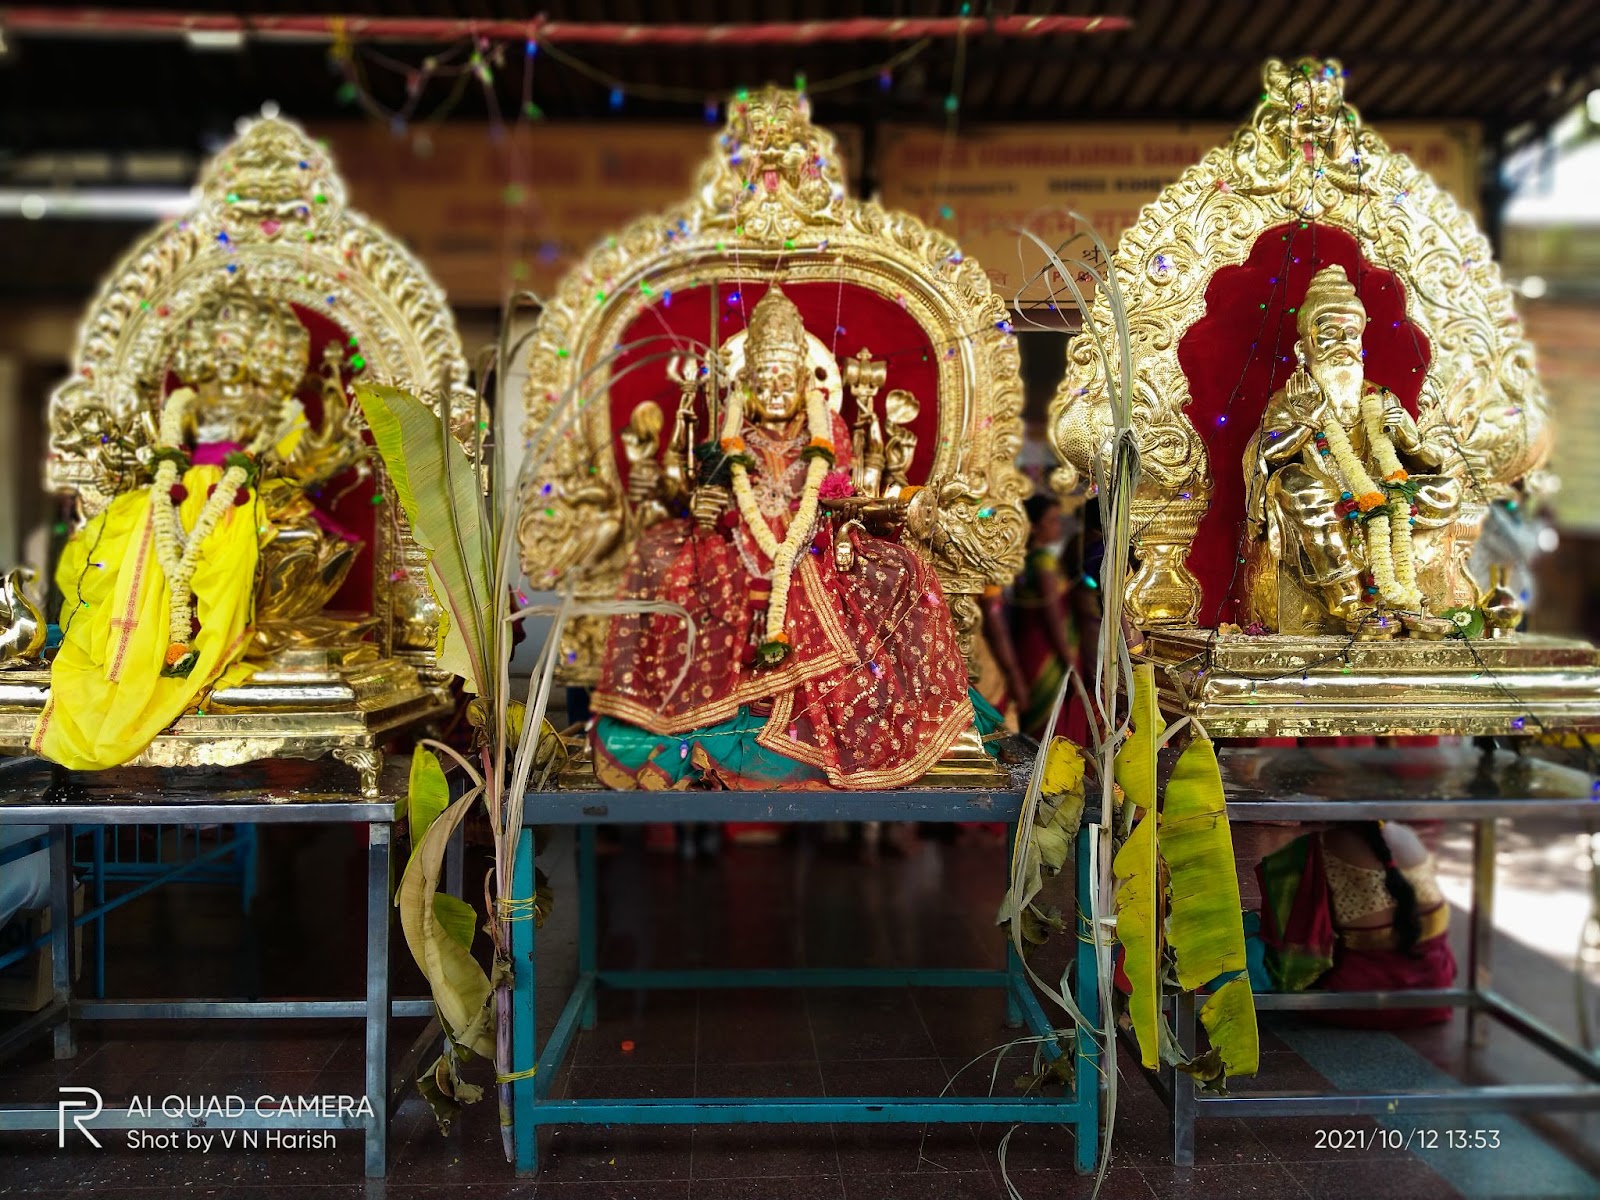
(1304, 156)
(772, 206)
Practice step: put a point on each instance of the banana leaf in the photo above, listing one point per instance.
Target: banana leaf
(1061, 789)
(1136, 758)
(1205, 927)
(456, 917)
(461, 990)
(1229, 1017)
(427, 796)
(438, 490)
(1138, 906)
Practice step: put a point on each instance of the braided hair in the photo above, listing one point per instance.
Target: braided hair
(1407, 921)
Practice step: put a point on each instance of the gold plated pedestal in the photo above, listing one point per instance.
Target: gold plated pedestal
(1288, 686)
(305, 704)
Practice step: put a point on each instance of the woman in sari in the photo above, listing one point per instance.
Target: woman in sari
(1054, 620)
(1356, 907)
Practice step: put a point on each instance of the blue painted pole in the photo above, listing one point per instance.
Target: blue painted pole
(1017, 977)
(100, 903)
(249, 859)
(524, 1015)
(1086, 982)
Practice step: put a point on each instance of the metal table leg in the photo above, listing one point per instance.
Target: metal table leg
(1183, 1097)
(1480, 929)
(525, 1014)
(61, 939)
(98, 859)
(1014, 967)
(379, 840)
(588, 917)
(455, 861)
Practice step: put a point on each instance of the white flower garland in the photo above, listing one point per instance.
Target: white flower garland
(784, 555)
(179, 554)
(1389, 544)
(1401, 545)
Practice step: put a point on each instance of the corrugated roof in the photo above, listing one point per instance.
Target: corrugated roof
(1514, 65)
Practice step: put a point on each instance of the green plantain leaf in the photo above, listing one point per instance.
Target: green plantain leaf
(461, 991)
(1139, 931)
(1205, 926)
(1054, 846)
(427, 796)
(438, 490)
(1229, 1017)
(1136, 757)
(456, 917)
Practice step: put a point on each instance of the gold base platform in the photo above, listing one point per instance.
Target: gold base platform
(307, 703)
(1240, 686)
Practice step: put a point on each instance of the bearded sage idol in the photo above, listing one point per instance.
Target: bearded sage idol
(1333, 398)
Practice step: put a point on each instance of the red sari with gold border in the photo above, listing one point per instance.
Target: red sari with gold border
(874, 688)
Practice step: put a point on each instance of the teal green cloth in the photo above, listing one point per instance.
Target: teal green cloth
(731, 745)
(732, 748)
(989, 719)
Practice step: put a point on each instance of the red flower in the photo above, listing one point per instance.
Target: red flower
(836, 485)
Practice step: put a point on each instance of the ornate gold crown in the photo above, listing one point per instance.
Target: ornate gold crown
(243, 341)
(1330, 291)
(272, 180)
(777, 335)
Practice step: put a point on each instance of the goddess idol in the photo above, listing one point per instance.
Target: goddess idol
(819, 654)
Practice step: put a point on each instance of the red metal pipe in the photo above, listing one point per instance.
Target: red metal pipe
(96, 22)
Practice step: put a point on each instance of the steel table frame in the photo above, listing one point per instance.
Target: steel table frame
(379, 816)
(1546, 790)
(532, 1106)
(231, 859)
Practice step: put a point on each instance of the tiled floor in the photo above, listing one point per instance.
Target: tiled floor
(811, 904)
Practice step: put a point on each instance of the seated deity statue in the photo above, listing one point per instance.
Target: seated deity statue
(1338, 492)
(817, 654)
(213, 551)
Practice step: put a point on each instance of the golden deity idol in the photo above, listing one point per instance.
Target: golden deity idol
(835, 489)
(1330, 392)
(1329, 495)
(239, 586)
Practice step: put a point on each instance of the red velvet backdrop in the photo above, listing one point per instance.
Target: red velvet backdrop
(845, 317)
(355, 512)
(1242, 350)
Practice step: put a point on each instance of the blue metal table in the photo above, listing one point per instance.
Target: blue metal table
(533, 1107)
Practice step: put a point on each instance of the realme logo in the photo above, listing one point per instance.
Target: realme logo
(86, 1097)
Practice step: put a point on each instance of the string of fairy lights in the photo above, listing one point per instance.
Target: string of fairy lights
(437, 85)
(484, 62)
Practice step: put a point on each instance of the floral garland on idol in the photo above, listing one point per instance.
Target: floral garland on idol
(775, 644)
(177, 552)
(1386, 512)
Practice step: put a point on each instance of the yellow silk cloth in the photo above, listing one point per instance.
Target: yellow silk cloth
(108, 697)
